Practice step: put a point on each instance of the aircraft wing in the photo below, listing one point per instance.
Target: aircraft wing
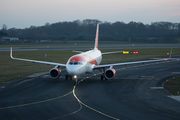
(36, 61)
(77, 51)
(135, 62)
(128, 63)
(111, 52)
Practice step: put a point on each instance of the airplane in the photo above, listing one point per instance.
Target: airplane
(86, 62)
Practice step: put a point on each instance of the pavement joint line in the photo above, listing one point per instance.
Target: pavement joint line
(38, 102)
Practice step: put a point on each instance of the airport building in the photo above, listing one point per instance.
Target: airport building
(9, 38)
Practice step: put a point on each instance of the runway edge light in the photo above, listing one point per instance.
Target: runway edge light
(135, 52)
(125, 52)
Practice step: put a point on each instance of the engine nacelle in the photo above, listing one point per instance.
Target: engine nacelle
(110, 73)
(55, 73)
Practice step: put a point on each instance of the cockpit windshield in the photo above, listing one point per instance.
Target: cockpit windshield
(75, 63)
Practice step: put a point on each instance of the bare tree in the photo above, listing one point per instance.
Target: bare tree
(4, 27)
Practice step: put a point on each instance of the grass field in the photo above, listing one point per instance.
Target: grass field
(173, 85)
(13, 69)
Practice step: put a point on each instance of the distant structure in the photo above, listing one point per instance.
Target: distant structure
(45, 41)
(9, 39)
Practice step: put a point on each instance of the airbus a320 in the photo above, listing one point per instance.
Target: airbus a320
(85, 62)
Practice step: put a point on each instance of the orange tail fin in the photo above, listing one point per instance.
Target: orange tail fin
(97, 37)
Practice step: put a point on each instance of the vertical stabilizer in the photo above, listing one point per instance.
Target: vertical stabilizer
(97, 37)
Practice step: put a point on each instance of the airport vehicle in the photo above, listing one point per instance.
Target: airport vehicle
(86, 62)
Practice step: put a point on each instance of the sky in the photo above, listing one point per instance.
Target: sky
(24, 13)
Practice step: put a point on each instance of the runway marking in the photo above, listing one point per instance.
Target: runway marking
(23, 82)
(22, 105)
(69, 113)
(81, 103)
(91, 107)
(98, 74)
(157, 88)
(175, 72)
(87, 105)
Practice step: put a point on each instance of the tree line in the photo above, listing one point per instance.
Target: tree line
(156, 32)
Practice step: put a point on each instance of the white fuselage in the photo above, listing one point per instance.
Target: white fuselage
(84, 62)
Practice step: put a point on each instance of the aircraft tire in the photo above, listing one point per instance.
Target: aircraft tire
(67, 77)
(70, 77)
(102, 77)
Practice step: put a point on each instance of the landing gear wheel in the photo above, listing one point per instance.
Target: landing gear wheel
(67, 77)
(102, 77)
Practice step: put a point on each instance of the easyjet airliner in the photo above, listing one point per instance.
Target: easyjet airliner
(85, 62)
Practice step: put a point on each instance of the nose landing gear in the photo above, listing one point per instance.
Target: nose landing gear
(76, 82)
(74, 78)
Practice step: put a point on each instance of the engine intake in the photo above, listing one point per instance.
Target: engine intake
(55, 73)
(110, 73)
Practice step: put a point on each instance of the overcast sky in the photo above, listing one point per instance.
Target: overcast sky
(24, 13)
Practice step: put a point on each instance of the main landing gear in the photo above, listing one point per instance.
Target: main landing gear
(103, 74)
(68, 77)
(103, 77)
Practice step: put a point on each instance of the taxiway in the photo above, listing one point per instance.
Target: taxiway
(89, 47)
(128, 97)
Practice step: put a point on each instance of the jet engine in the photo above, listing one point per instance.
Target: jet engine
(55, 73)
(110, 73)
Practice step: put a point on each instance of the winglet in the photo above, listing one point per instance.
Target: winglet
(97, 37)
(11, 53)
(170, 53)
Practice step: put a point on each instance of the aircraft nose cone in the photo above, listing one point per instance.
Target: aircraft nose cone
(72, 70)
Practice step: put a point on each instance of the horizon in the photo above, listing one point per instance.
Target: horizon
(23, 14)
(90, 19)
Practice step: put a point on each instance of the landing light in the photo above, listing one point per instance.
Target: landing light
(75, 76)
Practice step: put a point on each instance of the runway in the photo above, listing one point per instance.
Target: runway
(89, 47)
(132, 95)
